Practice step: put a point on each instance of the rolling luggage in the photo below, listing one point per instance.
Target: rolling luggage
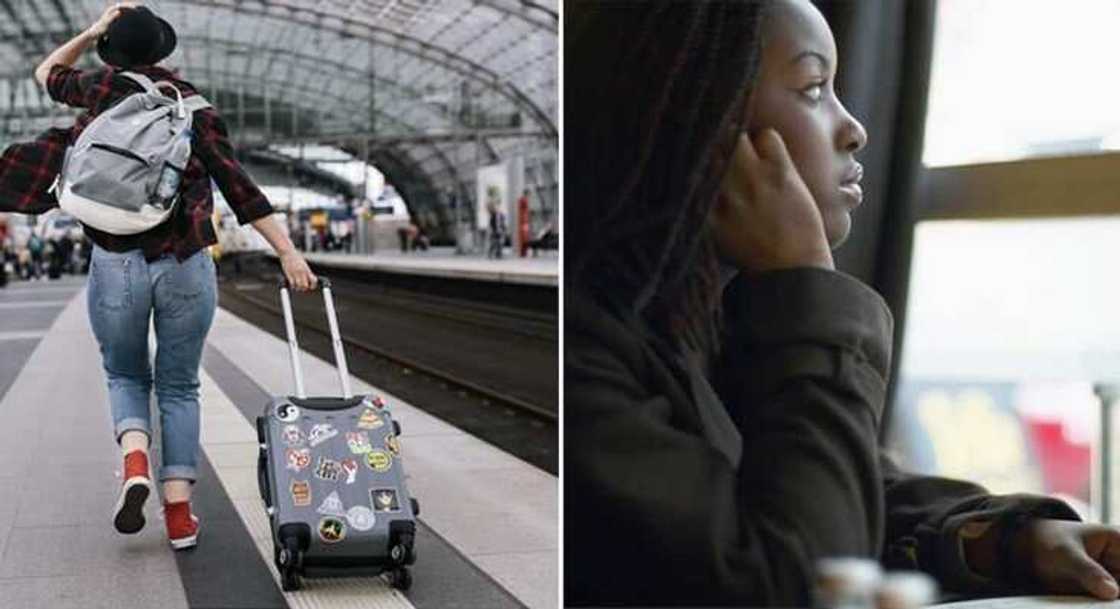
(331, 477)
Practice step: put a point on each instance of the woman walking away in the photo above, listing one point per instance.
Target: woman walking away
(162, 272)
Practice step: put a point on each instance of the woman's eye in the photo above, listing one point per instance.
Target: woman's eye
(813, 92)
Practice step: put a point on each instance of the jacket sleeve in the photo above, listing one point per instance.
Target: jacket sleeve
(924, 519)
(655, 515)
(77, 88)
(213, 147)
(27, 170)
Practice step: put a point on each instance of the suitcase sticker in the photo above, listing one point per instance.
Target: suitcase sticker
(350, 466)
(328, 469)
(384, 500)
(370, 419)
(321, 433)
(293, 436)
(298, 458)
(332, 530)
(332, 506)
(301, 493)
(379, 460)
(361, 518)
(358, 441)
(287, 412)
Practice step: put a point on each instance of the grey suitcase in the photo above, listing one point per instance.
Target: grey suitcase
(331, 477)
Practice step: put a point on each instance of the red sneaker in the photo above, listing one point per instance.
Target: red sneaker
(182, 526)
(128, 517)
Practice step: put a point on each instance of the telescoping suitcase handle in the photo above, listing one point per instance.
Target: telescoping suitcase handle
(336, 340)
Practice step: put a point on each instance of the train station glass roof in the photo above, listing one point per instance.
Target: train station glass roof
(428, 90)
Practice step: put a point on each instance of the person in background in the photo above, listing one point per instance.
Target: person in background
(523, 222)
(402, 237)
(23, 262)
(421, 241)
(86, 253)
(35, 247)
(497, 231)
(65, 253)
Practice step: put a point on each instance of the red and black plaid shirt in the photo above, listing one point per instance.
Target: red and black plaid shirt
(28, 170)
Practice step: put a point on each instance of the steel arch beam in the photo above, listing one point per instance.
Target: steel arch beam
(529, 12)
(58, 6)
(55, 111)
(283, 56)
(315, 94)
(413, 182)
(311, 92)
(20, 25)
(400, 42)
(282, 53)
(50, 111)
(16, 78)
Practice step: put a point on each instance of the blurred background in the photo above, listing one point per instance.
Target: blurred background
(993, 233)
(371, 124)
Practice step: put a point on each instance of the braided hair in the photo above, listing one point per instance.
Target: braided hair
(655, 97)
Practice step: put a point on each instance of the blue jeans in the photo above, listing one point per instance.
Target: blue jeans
(124, 292)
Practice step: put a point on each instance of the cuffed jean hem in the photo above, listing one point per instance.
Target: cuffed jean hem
(177, 472)
(133, 424)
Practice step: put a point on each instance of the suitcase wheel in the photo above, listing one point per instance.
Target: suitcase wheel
(401, 579)
(289, 581)
(399, 553)
(289, 559)
(404, 551)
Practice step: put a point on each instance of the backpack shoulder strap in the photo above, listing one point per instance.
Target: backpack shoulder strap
(142, 80)
(195, 103)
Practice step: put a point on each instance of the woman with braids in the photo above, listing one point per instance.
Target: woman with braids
(724, 384)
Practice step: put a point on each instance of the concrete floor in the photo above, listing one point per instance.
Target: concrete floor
(489, 524)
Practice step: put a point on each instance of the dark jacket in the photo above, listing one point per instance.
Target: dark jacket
(671, 498)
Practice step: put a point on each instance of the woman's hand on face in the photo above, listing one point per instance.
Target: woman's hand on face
(1069, 557)
(765, 217)
(297, 272)
(102, 24)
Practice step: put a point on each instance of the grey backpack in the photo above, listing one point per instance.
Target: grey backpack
(122, 175)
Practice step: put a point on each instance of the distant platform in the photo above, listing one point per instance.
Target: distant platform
(541, 270)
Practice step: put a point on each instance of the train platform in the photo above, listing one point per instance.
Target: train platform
(540, 270)
(488, 529)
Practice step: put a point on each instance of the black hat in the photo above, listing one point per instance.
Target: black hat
(136, 38)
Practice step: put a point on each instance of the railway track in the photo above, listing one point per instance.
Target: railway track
(494, 396)
(486, 369)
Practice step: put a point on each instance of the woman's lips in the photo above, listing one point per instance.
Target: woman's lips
(850, 186)
(855, 174)
(854, 192)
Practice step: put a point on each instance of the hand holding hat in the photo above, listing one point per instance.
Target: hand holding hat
(129, 34)
(111, 13)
